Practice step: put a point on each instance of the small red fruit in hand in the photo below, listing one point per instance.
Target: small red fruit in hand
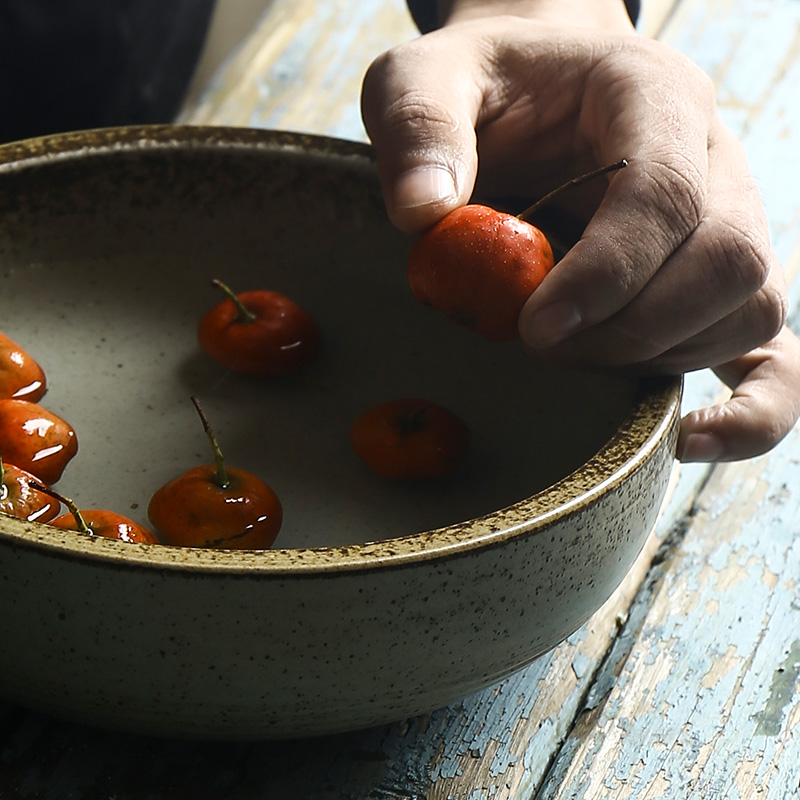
(20, 376)
(259, 333)
(215, 505)
(99, 522)
(20, 498)
(410, 438)
(480, 266)
(35, 439)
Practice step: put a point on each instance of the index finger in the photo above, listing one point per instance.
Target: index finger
(649, 208)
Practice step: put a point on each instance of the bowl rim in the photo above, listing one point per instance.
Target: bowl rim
(651, 423)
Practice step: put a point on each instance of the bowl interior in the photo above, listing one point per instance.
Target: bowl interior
(106, 254)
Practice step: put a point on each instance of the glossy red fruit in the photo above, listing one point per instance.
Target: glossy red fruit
(35, 439)
(108, 524)
(19, 498)
(479, 266)
(410, 438)
(259, 333)
(215, 505)
(98, 522)
(20, 376)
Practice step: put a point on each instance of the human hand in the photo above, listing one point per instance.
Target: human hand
(763, 408)
(674, 271)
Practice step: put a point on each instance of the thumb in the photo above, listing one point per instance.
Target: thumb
(420, 114)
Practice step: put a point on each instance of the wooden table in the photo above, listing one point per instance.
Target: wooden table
(686, 684)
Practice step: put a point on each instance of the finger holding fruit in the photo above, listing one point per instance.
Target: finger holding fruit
(674, 271)
(480, 265)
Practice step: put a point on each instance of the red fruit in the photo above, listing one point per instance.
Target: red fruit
(259, 333)
(108, 524)
(19, 498)
(196, 510)
(479, 266)
(98, 522)
(36, 440)
(410, 438)
(20, 376)
(216, 506)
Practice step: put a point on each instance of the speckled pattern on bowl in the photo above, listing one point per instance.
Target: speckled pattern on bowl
(380, 600)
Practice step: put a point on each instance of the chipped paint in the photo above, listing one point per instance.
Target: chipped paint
(782, 690)
(708, 697)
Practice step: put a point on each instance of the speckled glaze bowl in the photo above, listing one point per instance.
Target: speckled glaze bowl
(381, 600)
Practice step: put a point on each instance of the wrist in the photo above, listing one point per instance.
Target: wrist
(600, 14)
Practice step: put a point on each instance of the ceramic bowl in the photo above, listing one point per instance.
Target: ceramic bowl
(380, 599)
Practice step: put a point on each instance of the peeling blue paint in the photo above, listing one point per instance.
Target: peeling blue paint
(770, 719)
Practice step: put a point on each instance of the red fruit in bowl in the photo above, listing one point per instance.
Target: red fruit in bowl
(108, 524)
(410, 438)
(217, 506)
(20, 498)
(98, 522)
(259, 333)
(479, 266)
(35, 439)
(20, 376)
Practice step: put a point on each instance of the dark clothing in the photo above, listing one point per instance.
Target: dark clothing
(424, 13)
(71, 64)
(74, 64)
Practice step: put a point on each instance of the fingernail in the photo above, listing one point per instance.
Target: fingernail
(555, 322)
(423, 186)
(701, 447)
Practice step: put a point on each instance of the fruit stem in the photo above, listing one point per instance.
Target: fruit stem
(80, 522)
(222, 473)
(531, 210)
(413, 422)
(245, 315)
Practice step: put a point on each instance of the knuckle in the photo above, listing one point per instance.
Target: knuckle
(763, 316)
(675, 196)
(419, 113)
(677, 69)
(397, 95)
(773, 431)
(772, 309)
(741, 245)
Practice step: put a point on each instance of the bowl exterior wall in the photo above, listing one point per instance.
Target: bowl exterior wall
(237, 656)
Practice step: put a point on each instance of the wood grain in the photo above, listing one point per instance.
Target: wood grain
(701, 695)
(685, 684)
(301, 70)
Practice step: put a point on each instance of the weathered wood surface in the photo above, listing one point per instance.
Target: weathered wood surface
(302, 68)
(700, 697)
(685, 684)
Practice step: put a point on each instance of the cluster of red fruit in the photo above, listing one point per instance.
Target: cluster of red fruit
(209, 506)
(35, 444)
(477, 265)
(35, 447)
